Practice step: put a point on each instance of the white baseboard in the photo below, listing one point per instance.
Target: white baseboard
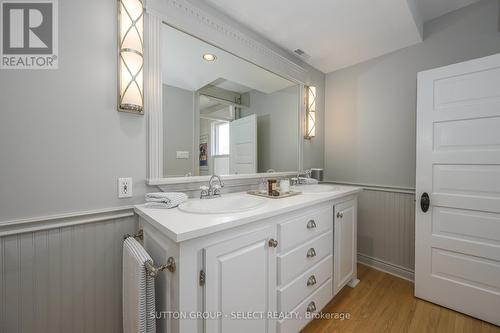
(387, 267)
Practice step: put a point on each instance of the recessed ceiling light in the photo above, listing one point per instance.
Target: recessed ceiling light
(209, 57)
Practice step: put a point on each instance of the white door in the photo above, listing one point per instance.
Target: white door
(457, 254)
(345, 249)
(243, 147)
(241, 278)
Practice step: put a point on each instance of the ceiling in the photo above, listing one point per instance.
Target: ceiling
(431, 9)
(184, 67)
(338, 33)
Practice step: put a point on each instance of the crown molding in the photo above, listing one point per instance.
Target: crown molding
(193, 20)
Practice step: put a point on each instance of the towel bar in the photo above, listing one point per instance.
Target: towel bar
(154, 270)
(138, 235)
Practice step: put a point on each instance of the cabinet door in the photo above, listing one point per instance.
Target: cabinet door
(241, 278)
(345, 248)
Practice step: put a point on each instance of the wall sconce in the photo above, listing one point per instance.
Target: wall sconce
(310, 101)
(131, 57)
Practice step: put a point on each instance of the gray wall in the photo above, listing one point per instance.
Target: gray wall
(370, 117)
(62, 142)
(371, 107)
(64, 280)
(277, 127)
(178, 124)
(386, 230)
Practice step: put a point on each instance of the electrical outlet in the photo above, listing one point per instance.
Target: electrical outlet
(182, 155)
(124, 188)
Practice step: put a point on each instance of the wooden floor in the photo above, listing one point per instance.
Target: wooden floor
(384, 303)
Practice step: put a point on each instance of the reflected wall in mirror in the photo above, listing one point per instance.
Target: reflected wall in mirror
(222, 114)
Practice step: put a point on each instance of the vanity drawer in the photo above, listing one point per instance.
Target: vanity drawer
(291, 295)
(291, 264)
(319, 299)
(305, 227)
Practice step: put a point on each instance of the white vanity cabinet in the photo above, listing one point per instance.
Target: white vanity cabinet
(241, 277)
(345, 245)
(292, 262)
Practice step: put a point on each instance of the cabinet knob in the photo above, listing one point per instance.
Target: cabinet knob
(311, 307)
(311, 224)
(311, 281)
(311, 253)
(273, 242)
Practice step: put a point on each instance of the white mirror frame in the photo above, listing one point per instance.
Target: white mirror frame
(195, 21)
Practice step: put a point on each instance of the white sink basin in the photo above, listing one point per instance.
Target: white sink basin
(317, 188)
(222, 205)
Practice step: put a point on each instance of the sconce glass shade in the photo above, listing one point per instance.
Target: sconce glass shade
(131, 59)
(310, 101)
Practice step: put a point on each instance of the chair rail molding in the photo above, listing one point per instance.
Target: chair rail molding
(195, 21)
(35, 224)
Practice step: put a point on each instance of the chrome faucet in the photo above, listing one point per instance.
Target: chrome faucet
(301, 180)
(212, 190)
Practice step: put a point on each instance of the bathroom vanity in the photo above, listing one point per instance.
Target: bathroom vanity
(245, 262)
(266, 267)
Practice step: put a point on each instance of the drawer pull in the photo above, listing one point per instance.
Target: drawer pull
(311, 224)
(340, 215)
(311, 253)
(311, 307)
(311, 281)
(273, 242)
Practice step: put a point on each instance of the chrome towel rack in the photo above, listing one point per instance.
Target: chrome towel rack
(152, 269)
(138, 236)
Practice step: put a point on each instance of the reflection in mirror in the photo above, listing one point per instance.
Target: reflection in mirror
(223, 115)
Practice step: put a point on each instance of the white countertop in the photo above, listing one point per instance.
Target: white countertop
(181, 226)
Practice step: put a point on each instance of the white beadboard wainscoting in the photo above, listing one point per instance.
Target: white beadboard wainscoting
(63, 274)
(386, 229)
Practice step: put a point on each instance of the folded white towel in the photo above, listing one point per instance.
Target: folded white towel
(138, 290)
(165, 199)
(160, 205)
(308, 181)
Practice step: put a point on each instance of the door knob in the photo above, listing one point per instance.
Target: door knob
(273, 242)
(425, 202)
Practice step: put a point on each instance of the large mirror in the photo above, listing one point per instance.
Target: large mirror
(222, 114)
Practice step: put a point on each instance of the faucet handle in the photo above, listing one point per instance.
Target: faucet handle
(204, 187)
(216, 190)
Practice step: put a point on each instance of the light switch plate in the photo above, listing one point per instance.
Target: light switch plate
(182, 155)
(125, 188)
